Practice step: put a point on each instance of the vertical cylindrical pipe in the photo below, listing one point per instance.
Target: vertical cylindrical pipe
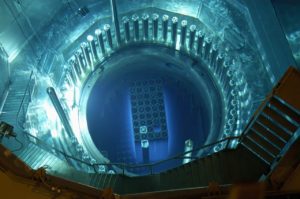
(192, 36)
(99, 35)
(213, 57)
(227, 130)
(234, 103)
(232, 83)
(207, 47)
(60, 111)
(200, 40)
(234, 94)
(165, 25)
(183, 33)
(72, 77)
(188, 146)
(228, 95)
(233, 100)
(68, 78)
(108, 35)
(233, 113)
(226, 84)
(145, 19)
(219, 64)
(174, 29)
(86, 54)
(75, 70)
(155, 25)
(224, 71)
(136, 27)
(93, 48)
(126, 24)
(80, 62)
(226, 77)
(230, 122)
(115, 20)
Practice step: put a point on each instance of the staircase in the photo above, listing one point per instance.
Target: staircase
(35, 157)
(275, 122)
(12, 113)
(14, 98)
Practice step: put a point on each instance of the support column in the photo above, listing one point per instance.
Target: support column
(115, 20)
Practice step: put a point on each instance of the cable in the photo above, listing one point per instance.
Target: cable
(21, 145)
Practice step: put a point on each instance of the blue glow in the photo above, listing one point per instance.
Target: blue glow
(145, 143)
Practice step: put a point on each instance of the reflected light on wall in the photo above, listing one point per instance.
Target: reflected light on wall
(13, 55)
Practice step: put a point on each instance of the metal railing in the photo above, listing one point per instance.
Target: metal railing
(22, 111)
(123, 167)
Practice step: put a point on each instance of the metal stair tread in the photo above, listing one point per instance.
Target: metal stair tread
(23, 153)
(26, 154)
(13, 94)
(257, 150)
(36, 162)
(277, 128)
(266, 138)
(9, 113)
(13, 99)
(284, 115)
(32, 152)
(261, 146)
(36, 157)
(267, 132)
(287, 109)
(12, 105)
(282, 101)
(279, 119)
(260, 140)
(29, 157)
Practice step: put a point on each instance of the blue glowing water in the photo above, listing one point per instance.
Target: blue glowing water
(109, 117)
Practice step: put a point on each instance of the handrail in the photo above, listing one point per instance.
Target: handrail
(131, 166)
(23, 99)
(123, 166)
(178, 155)
(55, 149)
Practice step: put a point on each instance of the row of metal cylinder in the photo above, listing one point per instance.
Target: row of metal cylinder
(191, 39)
(163, 30)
